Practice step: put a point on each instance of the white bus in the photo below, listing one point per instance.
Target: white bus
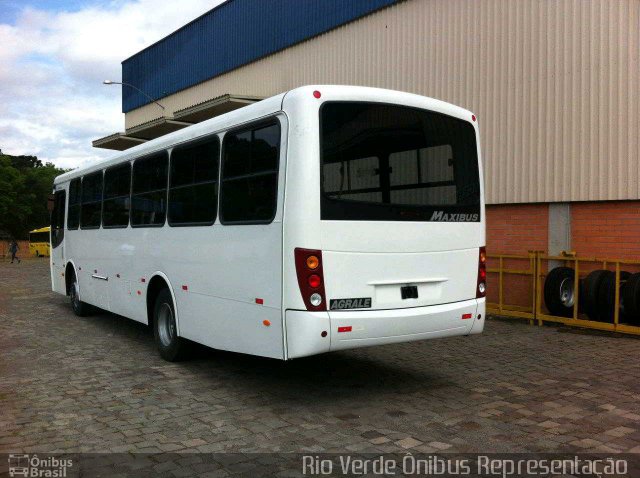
(321, 219)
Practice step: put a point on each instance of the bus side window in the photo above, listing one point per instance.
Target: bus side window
(250, 175)
(57, 219)
(73, 218)
(193, 184)
(117, 187)
(149, 191)
(91, 210)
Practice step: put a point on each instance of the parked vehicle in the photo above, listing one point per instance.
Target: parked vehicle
(321, 219)
(39, 242)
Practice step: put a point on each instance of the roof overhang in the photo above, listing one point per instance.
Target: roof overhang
(156, 128)
(214, 107)
(181, 119)
(117, 141)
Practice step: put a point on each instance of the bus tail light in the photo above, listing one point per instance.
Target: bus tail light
(314, 281)
(310, 278)
(481, 289)
(312, 262)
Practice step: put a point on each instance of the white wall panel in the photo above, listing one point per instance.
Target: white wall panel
(555, 84)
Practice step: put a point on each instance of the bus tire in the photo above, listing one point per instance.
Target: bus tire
(559, 291)
(37, 253)
(630, 296)
(81, 309)
(591, 292)
(170, 346)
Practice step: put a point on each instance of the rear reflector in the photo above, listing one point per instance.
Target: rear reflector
(185, 287)
(259, 301)
(466, 316)
(345, 329)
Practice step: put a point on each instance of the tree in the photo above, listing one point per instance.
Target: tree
(25, 186)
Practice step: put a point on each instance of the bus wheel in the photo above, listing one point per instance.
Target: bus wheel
(37, 253)
(170, 346)
(81, 309)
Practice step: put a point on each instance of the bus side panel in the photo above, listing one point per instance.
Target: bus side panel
(228, 288)
(125, 267)
(226, 324)
(233, 279)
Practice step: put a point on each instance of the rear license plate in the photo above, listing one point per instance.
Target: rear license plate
(409, 292)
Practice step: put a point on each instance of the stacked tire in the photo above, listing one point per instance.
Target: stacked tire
(597, 295)
(559, 291)
(630, 299)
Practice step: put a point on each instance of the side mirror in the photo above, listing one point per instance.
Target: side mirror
(50, 203)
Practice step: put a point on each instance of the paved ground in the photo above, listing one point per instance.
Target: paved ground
(96, 384)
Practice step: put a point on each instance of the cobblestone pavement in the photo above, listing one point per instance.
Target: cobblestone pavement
(96, 384)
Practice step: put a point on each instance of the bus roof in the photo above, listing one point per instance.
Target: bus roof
(42, 229)
(255, 110)
(248, 113)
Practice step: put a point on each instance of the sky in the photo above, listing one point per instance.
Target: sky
(54, 55)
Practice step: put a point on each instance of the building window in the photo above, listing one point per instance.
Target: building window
(193, 188)
(149, 191)
(250, 175)
(117, 185)
(73, 217)
(91, 201)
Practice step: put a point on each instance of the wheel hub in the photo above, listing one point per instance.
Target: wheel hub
(567, 292)
(166, 325)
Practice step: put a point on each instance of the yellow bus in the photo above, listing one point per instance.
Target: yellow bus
(39, 244)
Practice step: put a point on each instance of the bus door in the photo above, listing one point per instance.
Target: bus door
(57, 242)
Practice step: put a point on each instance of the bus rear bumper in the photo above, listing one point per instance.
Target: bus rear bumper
(352, 329)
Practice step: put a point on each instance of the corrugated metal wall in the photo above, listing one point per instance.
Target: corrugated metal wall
(231, 35)
(555, 84)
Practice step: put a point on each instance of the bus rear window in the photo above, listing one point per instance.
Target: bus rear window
(395, 163)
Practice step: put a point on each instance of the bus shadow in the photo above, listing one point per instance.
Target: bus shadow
(121, 327)
(321, 378)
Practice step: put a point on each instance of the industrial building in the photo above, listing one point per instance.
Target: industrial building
(554, 83)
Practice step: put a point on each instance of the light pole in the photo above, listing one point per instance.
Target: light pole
(109, 82)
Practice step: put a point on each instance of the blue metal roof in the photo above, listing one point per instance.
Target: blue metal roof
(229, 36)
